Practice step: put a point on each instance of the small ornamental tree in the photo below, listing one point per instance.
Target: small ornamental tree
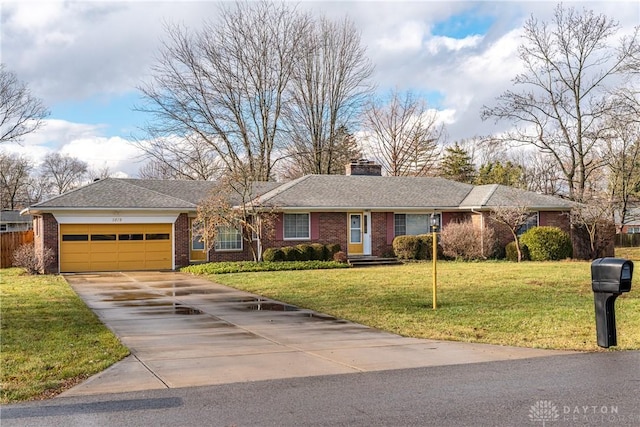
(233, 204)
(513, 217)
(590, 216)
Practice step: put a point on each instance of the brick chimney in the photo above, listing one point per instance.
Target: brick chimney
(363, 167)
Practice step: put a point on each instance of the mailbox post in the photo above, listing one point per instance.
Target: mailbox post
(610, 277)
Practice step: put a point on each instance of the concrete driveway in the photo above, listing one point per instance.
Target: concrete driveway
(185, 331)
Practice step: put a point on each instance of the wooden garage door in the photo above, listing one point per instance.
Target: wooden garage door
(110, 247)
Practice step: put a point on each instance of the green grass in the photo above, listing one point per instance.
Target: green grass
(531, 304)
(629, 253)
(50, 340)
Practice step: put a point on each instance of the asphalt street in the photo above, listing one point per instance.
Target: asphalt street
(600, 389)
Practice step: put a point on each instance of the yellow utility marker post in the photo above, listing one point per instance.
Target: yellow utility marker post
(434, 257)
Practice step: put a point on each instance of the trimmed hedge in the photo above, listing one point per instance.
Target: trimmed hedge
(547, 244)
(418, 247)
(251, 266)
(273, 255)
(301, 252)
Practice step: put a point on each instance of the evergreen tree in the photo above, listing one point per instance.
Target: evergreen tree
(497, 173)
(457, 165)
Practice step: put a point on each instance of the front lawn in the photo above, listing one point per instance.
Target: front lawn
(531, 304)
(50, 340)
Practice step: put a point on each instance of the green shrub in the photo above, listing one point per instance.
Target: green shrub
(319, 252)
(426, 247)
(251, 266)
(291, 253)
(306, 252)
(547, 243)
(406, 247)
(273, 255)
(511, 253)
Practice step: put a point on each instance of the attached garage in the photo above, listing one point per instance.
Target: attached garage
(115, 247)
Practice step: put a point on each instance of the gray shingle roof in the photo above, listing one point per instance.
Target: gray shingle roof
(493, 195)
(331, 192)
(14, 217)
(372, 192)
(119, 193)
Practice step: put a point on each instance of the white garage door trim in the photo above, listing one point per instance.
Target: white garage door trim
(64, 218)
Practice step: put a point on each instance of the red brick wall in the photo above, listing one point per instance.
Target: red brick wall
(49, 239)
(561, 220)
(181, 240)
(332, 228)
(380, 245)
(223, 256)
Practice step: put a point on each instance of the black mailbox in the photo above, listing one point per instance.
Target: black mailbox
(610, 277)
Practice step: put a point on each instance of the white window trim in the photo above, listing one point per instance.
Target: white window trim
(231, 250)
(438, 214)
(284, 237)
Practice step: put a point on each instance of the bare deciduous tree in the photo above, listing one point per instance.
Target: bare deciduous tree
(20, 112)
(233, 205)
(623, 151)
(540, 173)
(591, 215)
(187, 158)
(15, 173)
(328, 87)
(403, 134)
(513, 217)
(63, 172)
(225, 84)
(568, 65)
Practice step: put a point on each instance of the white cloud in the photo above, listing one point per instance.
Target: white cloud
(408, 37)
(70, 51)
(83, 142)
(115, 153)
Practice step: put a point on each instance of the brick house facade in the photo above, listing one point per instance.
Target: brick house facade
(125, 214)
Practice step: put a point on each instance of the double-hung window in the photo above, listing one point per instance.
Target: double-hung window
(532, 221)
(413, 224)
(228, 239)
(296, 226)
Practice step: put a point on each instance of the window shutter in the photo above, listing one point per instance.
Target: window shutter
(390, 225)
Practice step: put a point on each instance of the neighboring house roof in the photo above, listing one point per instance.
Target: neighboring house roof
(632, 218)
(311, 192)
(14, 217)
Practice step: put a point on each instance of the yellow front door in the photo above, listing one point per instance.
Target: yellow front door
(197, 248)
(355, 240)
(115, 247)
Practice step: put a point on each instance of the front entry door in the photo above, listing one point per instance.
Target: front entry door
(359, 240)
(355, 246)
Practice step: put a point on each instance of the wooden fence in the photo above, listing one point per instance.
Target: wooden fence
(11, 241)
(628, 240)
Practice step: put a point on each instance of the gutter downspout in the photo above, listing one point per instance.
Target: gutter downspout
(473, 210)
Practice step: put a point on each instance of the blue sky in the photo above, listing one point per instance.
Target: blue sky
(84, 59)
(115, 114)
